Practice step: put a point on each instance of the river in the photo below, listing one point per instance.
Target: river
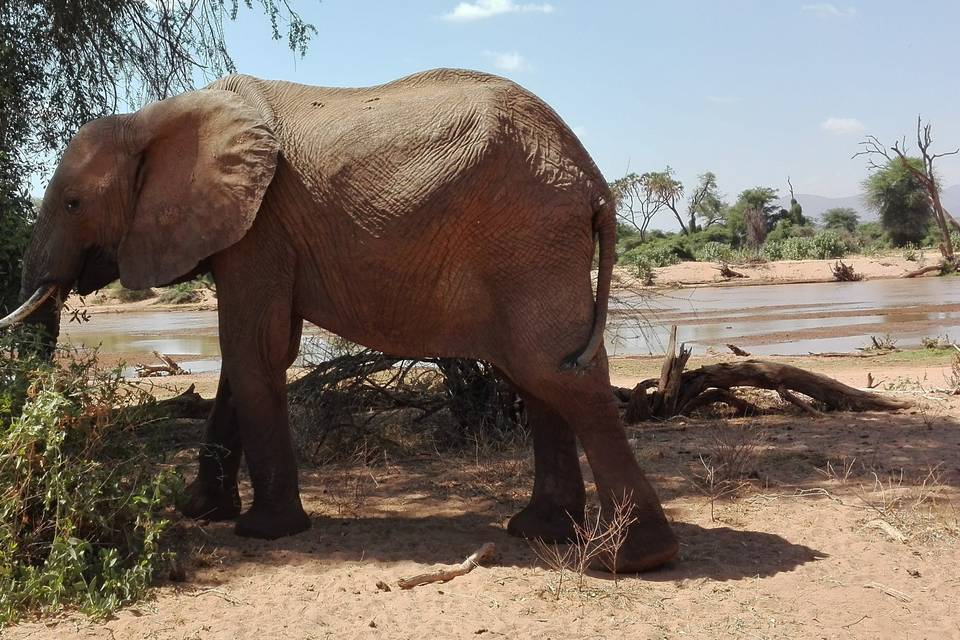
(766, 319)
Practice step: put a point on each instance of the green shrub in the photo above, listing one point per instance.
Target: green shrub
(825, 244)
(183, 293)
(644, 270)
(772, 250)
(122, 294)
(81, 502)
(655, 254)
(828, 244)
(911, 253)
(714, 252)
(787, 229)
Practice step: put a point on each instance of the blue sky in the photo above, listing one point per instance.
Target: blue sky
(754, 90)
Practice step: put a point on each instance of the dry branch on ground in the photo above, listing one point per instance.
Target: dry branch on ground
(445, 575)
(727, 272)
(679, 392)
(168, 367)
(845, 273)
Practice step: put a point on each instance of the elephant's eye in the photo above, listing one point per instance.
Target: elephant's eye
(72, 205)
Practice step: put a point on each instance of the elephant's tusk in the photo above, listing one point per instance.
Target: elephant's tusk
(35, 302)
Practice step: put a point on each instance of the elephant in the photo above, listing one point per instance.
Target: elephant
(449, 213)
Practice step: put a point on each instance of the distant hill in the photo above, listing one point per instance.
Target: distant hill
(814, 205)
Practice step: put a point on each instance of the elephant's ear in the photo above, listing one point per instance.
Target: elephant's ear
(205, 160)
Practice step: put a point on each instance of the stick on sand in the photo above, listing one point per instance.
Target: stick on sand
(443, 575)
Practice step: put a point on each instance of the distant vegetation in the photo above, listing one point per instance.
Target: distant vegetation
(755, 228)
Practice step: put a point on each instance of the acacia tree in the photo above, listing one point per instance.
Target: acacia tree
(752, 213)
(922, 171)
(669, 190)
(705, 202)
(638, 201)
(64, 62)
(901, 201)
(840, 219)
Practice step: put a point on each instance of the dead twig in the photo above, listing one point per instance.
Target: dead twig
(445, 575)
(893, 593)
(737, 351)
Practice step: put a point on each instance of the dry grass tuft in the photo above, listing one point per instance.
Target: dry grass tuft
(598, 539)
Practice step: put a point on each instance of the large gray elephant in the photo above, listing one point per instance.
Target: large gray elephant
(449, 213)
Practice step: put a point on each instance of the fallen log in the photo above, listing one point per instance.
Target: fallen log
(737, 351)
(921, 271)
(727, 272)
(832, 393)
(679, 392)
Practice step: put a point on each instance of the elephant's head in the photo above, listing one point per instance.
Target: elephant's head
(145, 197)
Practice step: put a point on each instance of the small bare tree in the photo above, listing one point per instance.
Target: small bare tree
(638, 201)
(873, 150)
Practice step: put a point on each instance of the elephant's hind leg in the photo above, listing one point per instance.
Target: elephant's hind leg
(586, 403)
(558, 495)
(213, 495)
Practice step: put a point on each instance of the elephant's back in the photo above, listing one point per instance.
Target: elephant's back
(390, 151)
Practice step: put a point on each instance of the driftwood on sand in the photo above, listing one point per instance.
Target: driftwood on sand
(168, 367)
(679, 392)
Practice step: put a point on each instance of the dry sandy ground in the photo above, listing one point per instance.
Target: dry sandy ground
(783, 271)
(844, 526)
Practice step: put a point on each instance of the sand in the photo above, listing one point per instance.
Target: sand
(841, 527)
(780, 272)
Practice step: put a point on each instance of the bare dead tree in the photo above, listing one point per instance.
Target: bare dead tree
(873, 150)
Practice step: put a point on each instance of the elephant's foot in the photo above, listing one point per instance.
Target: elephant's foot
(201, 503)
(546, 522)
(649, 545)
(270, 524)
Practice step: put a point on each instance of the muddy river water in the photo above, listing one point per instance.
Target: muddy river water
(767, 319)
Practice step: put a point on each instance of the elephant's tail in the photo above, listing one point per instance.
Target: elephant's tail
(605, 229)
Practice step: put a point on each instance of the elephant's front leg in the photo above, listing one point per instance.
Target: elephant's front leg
(213, 495)
(256, 334)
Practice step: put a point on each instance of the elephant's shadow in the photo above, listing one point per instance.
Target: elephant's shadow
(719, 553)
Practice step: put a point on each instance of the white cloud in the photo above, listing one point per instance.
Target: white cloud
(723, 99)
(508, 60)
(829, 10)
(842, 126)
(468, 11)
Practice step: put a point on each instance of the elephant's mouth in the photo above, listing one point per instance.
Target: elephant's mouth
(99, 268)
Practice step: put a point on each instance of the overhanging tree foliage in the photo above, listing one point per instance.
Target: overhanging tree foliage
(64, 62)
